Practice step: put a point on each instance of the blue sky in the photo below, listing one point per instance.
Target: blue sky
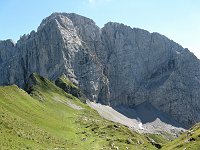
(179, 20)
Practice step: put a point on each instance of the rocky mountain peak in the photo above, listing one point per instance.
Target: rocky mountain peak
(8, 42)
(66, 18)
(7, 50)
(115, 65)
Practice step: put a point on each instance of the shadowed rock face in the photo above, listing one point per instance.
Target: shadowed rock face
(115, 65)
(149, 67)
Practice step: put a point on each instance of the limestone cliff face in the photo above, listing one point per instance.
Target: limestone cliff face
(114, 65)
(10, 65)
(143, 66)
(57, 48)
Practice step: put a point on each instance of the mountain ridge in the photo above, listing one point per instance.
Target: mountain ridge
(114, 65)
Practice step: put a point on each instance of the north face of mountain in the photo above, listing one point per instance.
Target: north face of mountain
(114, 65)
(143, 66)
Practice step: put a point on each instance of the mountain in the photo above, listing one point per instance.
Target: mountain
(114, 65)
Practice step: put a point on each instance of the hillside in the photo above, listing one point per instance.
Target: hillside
(188, 140)
(49, 118)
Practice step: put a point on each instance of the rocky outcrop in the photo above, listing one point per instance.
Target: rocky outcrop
(69, 87)
(114, 65)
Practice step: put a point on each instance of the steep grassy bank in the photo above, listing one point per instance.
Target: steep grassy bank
(190, 140)
(51, 118)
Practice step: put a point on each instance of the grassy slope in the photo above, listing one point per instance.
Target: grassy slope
(66, 81)
(158, 138)
(44, 121)
(188, 140)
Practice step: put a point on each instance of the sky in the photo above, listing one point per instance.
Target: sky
(179, 20)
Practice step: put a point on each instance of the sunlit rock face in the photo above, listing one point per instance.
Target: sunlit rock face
(112, 65)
